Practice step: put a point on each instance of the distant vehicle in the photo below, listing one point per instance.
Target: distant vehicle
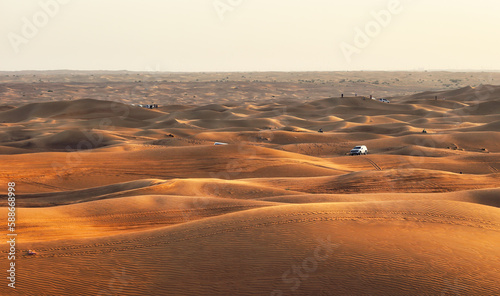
(220, 143)
(359, 150)
(147, 106)
(384, 100)
(31, 252)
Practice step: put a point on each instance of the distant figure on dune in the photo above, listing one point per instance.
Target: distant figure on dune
(371, 97)
(342, 95)
(320, 130)
(424, 131)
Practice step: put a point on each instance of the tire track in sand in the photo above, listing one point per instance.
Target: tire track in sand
(374, 164)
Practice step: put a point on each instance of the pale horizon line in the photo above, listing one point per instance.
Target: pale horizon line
(263, 71)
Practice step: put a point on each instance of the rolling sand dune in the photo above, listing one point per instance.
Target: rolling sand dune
(402, 180)
(489, 197)
(122, 215)
(348, 248)
(122, 200)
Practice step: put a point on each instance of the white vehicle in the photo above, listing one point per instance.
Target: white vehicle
(359, 150)
(384, 100)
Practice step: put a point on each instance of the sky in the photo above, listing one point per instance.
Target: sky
(249, 35)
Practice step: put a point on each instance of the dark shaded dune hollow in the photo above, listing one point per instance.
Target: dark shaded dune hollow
(117, 199)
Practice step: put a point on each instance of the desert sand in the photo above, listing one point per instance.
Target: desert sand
(117, 199)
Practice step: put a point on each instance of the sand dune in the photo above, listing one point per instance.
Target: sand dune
(122, 215)
(480, 93)
(6, 107)
(85, 108)
(492, 126)
(402, 180)
(342, 245)
(123, 200)
(489, 197)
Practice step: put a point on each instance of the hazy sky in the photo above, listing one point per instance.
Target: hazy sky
(249, 35)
